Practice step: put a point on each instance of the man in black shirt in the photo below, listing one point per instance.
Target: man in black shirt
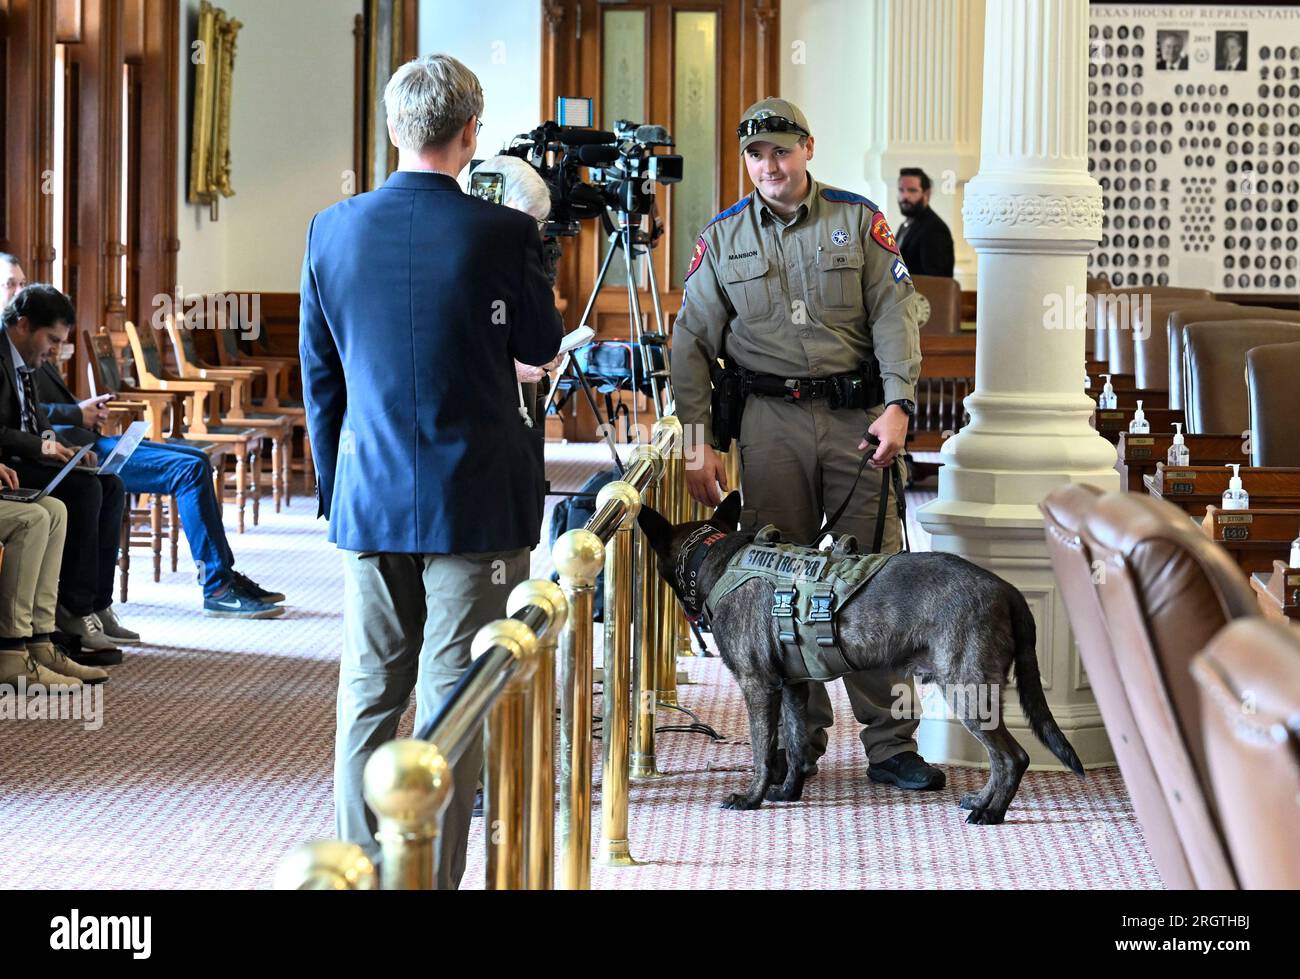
(924, 239)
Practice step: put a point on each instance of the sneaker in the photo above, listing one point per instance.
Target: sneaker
(251, 588)
(113, 628)
(55, 660)
(907, 770)
(232, 604)
(85, 629)
(19, 663)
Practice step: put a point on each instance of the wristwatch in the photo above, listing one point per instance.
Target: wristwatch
(909, 407)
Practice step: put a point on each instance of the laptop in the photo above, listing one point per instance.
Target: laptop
(35, 496)
(125, 448)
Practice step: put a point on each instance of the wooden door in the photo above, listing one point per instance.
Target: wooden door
(692, 66)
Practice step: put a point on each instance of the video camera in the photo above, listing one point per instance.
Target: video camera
(623, 164)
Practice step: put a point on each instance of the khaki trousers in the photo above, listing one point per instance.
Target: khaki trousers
(408, 622)
(33, 535)
(798, 462)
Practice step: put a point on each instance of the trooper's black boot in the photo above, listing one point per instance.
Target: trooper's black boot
(907, 770)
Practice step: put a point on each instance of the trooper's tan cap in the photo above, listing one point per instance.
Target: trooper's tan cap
(774, 107)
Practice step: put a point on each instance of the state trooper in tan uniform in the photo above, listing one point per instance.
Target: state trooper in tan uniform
(805, 284)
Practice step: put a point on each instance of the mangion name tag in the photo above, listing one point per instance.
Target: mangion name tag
(782, 562)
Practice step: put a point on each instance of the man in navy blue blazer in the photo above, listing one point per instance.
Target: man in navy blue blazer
(416, 301)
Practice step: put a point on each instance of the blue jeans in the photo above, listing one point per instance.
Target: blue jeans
(186, 473)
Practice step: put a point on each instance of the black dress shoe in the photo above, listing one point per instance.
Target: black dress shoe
(907, 770)
(88, 657)
(71, 647)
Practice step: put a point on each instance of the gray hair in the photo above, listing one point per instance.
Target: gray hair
(429, 100)
(522, 187)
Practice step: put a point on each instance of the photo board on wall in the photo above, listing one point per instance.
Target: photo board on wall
(1194, 136)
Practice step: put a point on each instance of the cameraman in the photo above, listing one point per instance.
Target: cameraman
(416, 301)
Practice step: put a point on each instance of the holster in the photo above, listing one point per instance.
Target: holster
(728, 401)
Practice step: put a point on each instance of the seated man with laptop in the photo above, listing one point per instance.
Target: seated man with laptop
(38, 318)
(171, 469)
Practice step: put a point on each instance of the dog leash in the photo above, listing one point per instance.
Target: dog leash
(892, 474)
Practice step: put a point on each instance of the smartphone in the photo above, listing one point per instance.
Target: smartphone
(489, 186)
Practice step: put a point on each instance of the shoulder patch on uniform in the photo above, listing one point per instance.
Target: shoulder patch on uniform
(882, 235)
(837, 196)
(900, 272)
(697, 257)
(732, 211)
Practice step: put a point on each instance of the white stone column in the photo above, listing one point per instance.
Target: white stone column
(1032, 214)
(932, 101)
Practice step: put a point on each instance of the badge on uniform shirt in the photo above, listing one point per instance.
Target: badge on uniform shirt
(697, 257)
(883, 236)
(900, 271)
(840, 236)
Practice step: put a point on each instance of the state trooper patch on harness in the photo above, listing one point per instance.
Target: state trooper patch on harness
(697, 257)
(840, 236)
(900, 271)
(882, 235)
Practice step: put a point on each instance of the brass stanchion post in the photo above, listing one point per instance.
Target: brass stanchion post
(579, 556)
(541, 791)
(326, 865)
(644, 666)
(668, 493)
(619, 557)
(506, 762)
(407, 784)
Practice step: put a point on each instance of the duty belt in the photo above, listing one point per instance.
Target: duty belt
(790, 388)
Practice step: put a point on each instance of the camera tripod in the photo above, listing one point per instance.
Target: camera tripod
(634, 243)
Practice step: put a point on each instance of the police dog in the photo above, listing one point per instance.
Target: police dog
(933, 616)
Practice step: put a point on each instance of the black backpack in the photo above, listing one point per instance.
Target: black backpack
(572, 513)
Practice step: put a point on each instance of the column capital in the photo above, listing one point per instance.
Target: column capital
(1004, 207)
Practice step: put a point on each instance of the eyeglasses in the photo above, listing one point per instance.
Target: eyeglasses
(769, 124)
(478, 127)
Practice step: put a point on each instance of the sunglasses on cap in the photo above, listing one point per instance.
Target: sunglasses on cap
(769, 124)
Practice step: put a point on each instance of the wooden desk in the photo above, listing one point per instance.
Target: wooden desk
(1193, 488)
(1139, 454)
(1278, 593)
(1114, 421)
(1256, 539)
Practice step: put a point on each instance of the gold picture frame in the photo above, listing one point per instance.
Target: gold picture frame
(386, 42)
(213, 55)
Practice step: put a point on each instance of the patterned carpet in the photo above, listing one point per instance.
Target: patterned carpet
(214, 758)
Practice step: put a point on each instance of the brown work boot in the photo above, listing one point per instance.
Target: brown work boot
(19, 663)
(56, 660)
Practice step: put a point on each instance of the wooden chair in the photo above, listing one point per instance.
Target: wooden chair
(279, 396)
(201, 419)
(240, 410)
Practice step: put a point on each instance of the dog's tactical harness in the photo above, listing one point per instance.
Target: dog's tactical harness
(809, 588)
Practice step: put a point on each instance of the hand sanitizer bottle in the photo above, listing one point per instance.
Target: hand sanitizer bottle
(1107, 399)
(1178, 454)
(1139, 425)
(1295, 553)
(1234, 497)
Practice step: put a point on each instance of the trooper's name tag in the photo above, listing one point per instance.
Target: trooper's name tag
(782, 562)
